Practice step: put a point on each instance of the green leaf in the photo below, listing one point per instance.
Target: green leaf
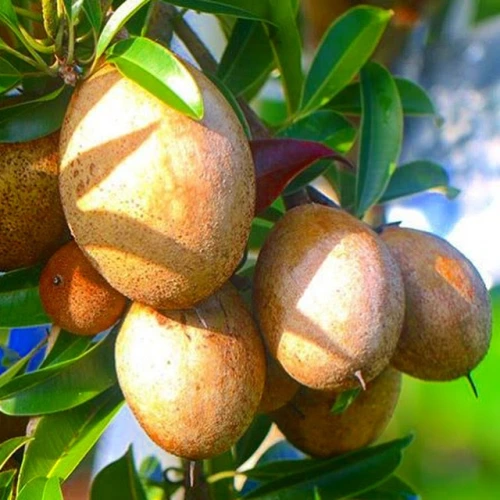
(35, 118)
(9, 447)
(115, 23)
(69, 383)
(7, 484)
(287, 48)
(67, 347)
(344, 400)
(417, 177)
(93, 11)
(62, 440)
(392, 489)
(248, 57)
(223, 489)
(414, 99)
(41, 488)
(247, 9)
(118, 480)
(345, 48)
(324, 126)
(337, 477)
(8, 15)
(247, 445)
(160, 72)
(9, 76)
(20, 303)
(381, 135)
(259, 232)
(344, 184)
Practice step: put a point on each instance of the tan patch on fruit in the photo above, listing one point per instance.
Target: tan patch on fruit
(279, 387)
(76, 296)
(193, 378)
(32, 222)
(329, 298)
(447, 326)
(308, 423)
(160, 203)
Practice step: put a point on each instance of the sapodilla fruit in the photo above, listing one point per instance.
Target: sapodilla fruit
(310, 425)
(328, 297)
(32, 221)
(447, 326)
(160, 203)
(76, 296)
(193, 378)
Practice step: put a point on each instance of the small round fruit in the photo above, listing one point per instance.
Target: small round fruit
(32, 221)
(76, 296)
(160, 203)
(279, 387)
(447, 327)
(193, 378)
(329, 298)
(310, 425)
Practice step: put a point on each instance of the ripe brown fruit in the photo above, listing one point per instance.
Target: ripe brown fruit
(76, 296)
(447, 325)
(32, 221)
(193, 378)
(328, 297)
(161, 204)
(310, 425)
(279, 387)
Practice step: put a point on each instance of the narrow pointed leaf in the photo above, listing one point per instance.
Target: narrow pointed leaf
(36, 118)
(278, 161)
(41, 488)
(66, 348)
(20, 303)
(381, 135)
(252, 439)
(344, 400)
(9, 76)
(9, 447)
(392, 489)
(7, 484)
(160, 72)
(61, 441)
(345, 48)
(8, 15)
(248, 57)
(414, 99)
(118, 480)
(18, 366)
(116, 22)
(69, 383)
(93, 11)
(417, 177)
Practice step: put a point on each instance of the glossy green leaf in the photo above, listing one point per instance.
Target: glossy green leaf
(344, 184)
(7, 484)
(116, 22)
(247, 9)
(392, 489)
(417, 177)
(61, 441)
(223, 489)
(118, 480)
(344, 400)
(67, 347)
(247, 445)
(9, 447)
(41, 488)
(414, 99)
(69, 383)
(287, 48)
(20, 303)
(160, 72)
(8, 15)
(343, 51)
(337, 477)
(9, 76)
(248, 57)
(326, 126)
(93, 11)
(35, 118)
(259, 232)
(381, 135)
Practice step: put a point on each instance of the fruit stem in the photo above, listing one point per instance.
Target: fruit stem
(361, 380)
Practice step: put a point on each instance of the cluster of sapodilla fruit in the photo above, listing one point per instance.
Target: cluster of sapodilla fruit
(160, 208)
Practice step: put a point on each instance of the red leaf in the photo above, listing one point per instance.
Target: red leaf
(278, 161)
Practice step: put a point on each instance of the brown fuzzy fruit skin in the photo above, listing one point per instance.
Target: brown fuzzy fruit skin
(279, 387)
(447, 327)
(161, 204)
(329, 298)
(308, 423)
(193, 378)
(76, 296)
(32, 221)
